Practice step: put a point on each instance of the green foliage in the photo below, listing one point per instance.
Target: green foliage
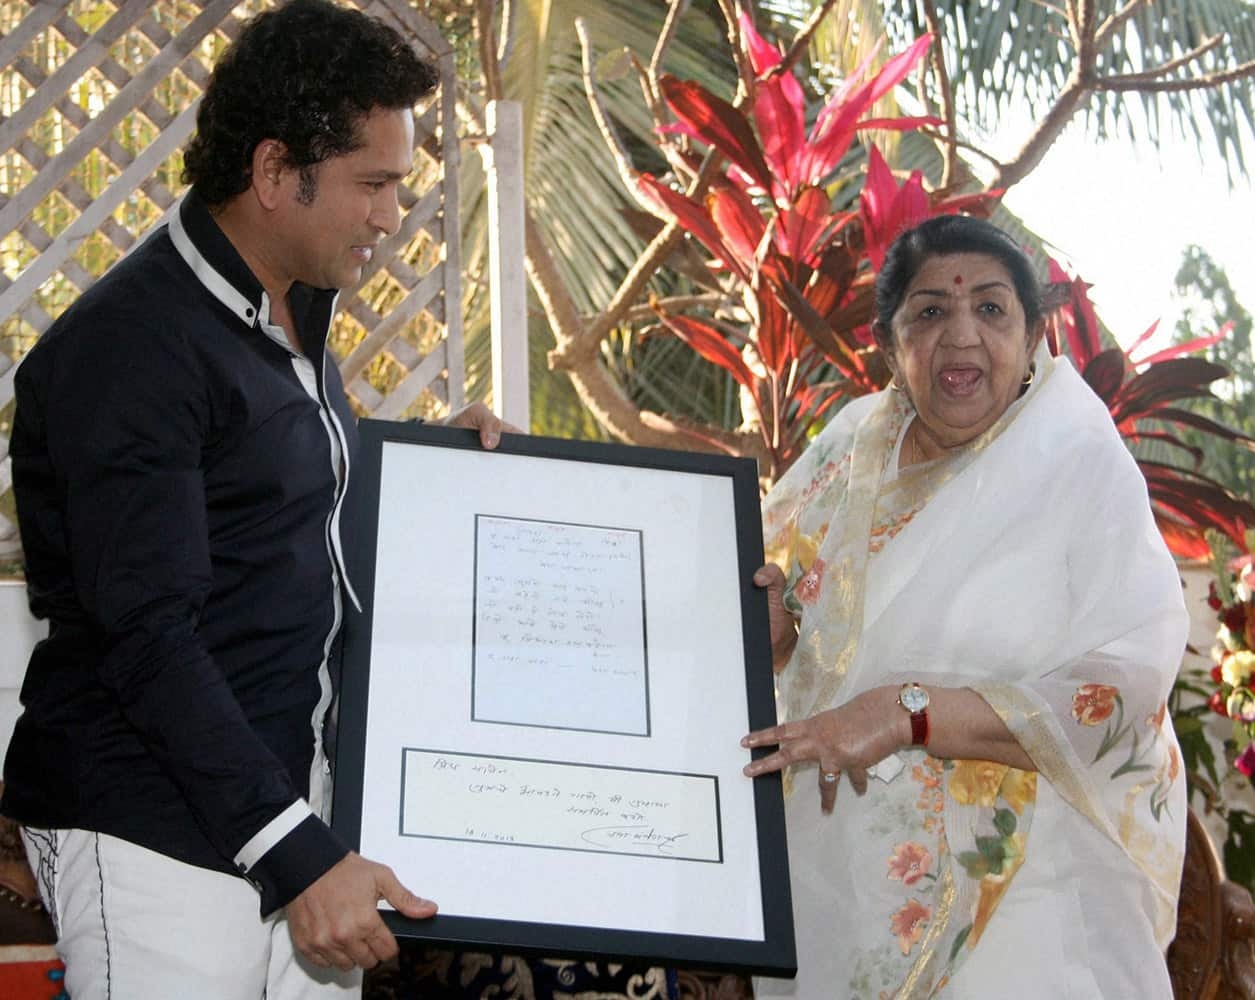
(1239, 849)
(1195, 700)
(1003, 55)
(1210, 302)
(573, 190)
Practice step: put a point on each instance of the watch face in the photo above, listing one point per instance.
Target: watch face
(913, 698)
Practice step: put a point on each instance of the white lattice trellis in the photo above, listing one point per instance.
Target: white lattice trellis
(96, 101)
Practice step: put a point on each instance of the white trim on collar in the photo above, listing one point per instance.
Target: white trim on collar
(222, 290)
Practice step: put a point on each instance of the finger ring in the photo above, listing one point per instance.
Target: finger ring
(830, 777)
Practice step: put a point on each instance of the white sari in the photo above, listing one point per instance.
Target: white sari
(1028, 568)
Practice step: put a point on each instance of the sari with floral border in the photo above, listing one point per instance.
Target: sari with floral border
(1027, 567)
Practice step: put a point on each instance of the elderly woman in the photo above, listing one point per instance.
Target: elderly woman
(976, 630)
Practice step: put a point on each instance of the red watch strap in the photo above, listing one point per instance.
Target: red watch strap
(919, 728)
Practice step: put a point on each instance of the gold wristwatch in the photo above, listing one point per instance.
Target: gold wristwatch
(914, 699)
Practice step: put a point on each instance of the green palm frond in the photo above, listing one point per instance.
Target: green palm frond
(1001, 56)
(573, 190)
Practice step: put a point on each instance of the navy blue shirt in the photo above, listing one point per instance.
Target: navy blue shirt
(178, 471)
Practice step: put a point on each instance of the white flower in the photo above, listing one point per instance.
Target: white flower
(1230, 642)
(1237, 670)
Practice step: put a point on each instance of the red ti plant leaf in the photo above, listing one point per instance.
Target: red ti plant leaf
(1176, 350)
(696, 220)
(1179, 350)
(904, 124)
(811, 402)
(836, 123)
(1195, 503)
(1183, 540)
(1186, 503)
(779, 113)
(1145, 336)
(710, 344)
(1077, 318)
(739, 223)
(845, 356)
(1173, 441)
(714, 121)
(1163, 383)
(886, 209)
(763, 56)
(773, 333)
(1105, 374)
(1208, 426)
(895, 70)
(802, 223)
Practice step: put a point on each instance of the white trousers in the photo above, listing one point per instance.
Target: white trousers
(135, 925)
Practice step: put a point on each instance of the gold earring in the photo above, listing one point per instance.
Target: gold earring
(1029, 376)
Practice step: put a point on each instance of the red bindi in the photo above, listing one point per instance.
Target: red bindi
(958, 279)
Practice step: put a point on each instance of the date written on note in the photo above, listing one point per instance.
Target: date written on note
(559, 630)
(568, 807)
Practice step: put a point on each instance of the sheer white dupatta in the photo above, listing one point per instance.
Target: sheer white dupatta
(1028, 568)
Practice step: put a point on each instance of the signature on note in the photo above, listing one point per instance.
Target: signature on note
(633, 836)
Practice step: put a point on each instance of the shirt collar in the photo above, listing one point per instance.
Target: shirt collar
(219, 267)
(214, 261)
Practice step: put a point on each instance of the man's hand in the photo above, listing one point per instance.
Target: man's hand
(478, 417)
(336, 922)
(783, 624)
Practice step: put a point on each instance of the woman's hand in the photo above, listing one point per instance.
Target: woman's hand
(783, 624)
(844, 740)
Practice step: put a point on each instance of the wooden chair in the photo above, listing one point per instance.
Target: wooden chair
(1213, 954)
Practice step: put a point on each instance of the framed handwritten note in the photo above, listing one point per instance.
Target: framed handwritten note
(560, 626)
(558, 650)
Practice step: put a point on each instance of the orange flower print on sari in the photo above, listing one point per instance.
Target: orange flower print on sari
(807, 588)
(976, 782)
(907, 924)
(910, 863)
(883, 534)
(1094, 703)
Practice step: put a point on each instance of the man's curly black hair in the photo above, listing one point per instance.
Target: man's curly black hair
(306, 74)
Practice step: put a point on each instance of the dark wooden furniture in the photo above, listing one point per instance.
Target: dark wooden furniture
(1212, 958)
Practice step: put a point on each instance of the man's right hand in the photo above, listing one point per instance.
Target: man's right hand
(336, 920)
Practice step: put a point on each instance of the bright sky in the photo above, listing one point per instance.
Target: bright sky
(1122, 214)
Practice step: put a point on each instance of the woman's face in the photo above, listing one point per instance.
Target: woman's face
(960, 345)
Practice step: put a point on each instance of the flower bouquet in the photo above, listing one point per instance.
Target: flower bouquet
(1224, 780)
(1231, 597)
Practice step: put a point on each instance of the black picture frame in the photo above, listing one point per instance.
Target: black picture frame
(417, 492)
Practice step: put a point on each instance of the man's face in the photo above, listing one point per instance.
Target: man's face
(330, 238)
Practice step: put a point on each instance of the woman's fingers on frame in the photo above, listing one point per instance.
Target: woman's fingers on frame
(858, 780)
(768, 737)
(801, 751)
(777, 761)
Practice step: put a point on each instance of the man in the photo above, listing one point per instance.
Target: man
(181, 449)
